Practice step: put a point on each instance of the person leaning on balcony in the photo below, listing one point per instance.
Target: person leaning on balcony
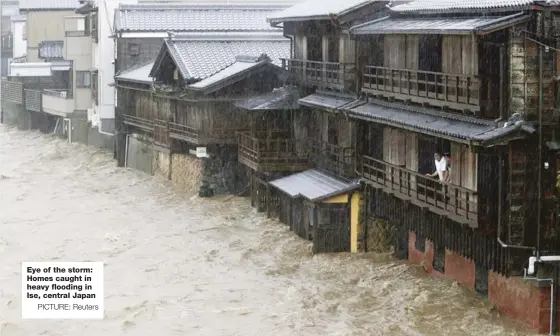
(442, 171)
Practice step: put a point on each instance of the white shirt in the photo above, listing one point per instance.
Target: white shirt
(441, 166)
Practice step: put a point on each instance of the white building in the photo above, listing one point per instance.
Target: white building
(19, 36)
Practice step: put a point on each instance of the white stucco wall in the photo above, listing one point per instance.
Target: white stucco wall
(18, 28)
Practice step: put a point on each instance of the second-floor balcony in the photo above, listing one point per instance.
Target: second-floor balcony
(458, 203)
(454, 91)
(139, 122)
(58, 102)
(331, 75)
(271, 152)
(198, 135)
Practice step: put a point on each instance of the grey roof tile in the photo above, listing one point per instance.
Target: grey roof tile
(461, 6)
(241, 64)
(283, 98)
(51, 49)
(48, 4)
(183, 17)
(466, 25)
(323, 100)
(317, 10)
(139, 75)
(200, 57)
(461, 128)
(314, 185)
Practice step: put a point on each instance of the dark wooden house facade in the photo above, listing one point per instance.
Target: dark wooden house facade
(418, 78)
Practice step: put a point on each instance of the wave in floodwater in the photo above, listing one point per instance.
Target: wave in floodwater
(179, 265)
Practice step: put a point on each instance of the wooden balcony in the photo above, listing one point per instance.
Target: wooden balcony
(339, 76)
(452, 91)
(141, 123)
(459, 204)
(198, 136)
(334, 158)
(276, 153)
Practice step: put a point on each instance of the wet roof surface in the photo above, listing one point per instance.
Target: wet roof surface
(140, 74)
(202, 57)
(195, 17)
(317, 9)
(48, 4)
(314, 185)
(283, 98)
(468, 25)
(450, 6)
(324, 100)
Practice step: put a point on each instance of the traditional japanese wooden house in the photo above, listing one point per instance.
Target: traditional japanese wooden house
(474, 80)
(203, 75)
(323, 58)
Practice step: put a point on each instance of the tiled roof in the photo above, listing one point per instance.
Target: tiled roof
(48, 4)
(242, 64)
(429, 25)
(139, 75)
(461, 6)
(422, 121)
(283, 98)
(317, 10)
(199, 57)
(314, 185)
(51, 49)
(183, 17)
(324, 100)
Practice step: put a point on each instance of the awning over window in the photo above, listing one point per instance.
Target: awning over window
(456, 128)
(314, 185)
(451, 26)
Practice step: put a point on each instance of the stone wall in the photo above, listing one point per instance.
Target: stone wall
(222, 174)
(100, 140)
(161, 164)
(11, 113)
(186, 171)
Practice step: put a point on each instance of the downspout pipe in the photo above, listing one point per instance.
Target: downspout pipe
(541, 260)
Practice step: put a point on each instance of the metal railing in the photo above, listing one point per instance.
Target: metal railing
(33, 100)
(329, 74)
(274, 151)
(63, 94)
(12, 91)
(458, 202)
(454, 91)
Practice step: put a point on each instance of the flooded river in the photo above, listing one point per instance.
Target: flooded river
(179, 265)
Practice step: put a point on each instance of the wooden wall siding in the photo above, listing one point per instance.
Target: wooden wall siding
(524, 77)
(522, 214)
(458, 56)
(394, 51)
(347, 48)
(488, 191)
(148, 49)
(394, 146)
(474, 245)
(464, 166)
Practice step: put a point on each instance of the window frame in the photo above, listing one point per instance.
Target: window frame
(81, 82)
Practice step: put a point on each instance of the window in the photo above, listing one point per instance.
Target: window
(134, 49)
(83, 79)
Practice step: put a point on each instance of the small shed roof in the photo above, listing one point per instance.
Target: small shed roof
(314, 185)
(318, 10)
(456, 26)
(138, 75)
(325, 101)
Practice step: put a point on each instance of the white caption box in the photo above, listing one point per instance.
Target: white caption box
(62, 290)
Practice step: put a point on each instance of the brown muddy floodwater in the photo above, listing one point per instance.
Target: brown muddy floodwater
(179, 265)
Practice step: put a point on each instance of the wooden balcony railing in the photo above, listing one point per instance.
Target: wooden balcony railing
(183, 132)
(322, 74)
(334, 158)
(458, 203)
(161, 132)
(453, 91)
(271, 153)
(139, 122)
